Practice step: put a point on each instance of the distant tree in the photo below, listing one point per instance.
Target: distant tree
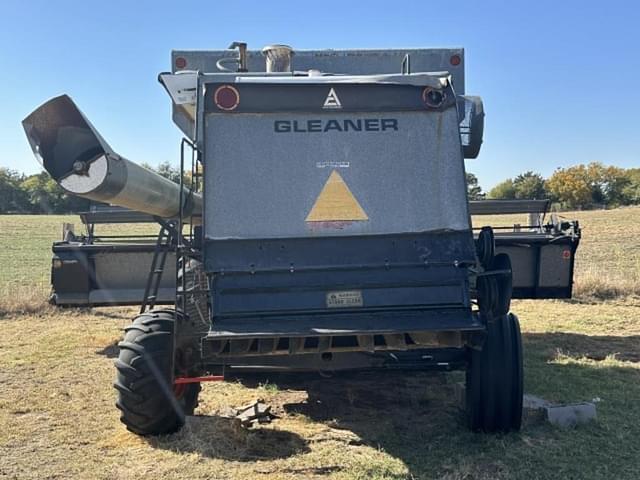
(73, 204)
(166, 170)
(631, 191)
(607, 183)
(474, 191)
(529, 185)
(12, 197)
(503, 191)
(46, 196)
(571, 187)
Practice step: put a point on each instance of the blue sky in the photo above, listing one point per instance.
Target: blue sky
(559, 79)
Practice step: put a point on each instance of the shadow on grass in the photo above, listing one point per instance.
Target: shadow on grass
(415, 417)
(404, 414)
(120, 313)
(593, 347)
(584, 299)
(219, 437)
(111, 350)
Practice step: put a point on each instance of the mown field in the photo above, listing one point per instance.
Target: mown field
(58, 420)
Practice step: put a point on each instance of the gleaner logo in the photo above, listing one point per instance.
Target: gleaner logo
(332, 100)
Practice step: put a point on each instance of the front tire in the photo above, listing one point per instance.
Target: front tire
(148, 401)
(494, 384)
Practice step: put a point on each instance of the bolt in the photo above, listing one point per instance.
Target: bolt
(79, 167)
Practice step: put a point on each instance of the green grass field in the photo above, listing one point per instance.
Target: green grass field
(25, 248)
(58, 420)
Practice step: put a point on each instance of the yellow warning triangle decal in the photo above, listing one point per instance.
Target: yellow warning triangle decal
(336, 203)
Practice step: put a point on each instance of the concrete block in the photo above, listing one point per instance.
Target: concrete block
(532, 402)
(538, 410)
(571, 414)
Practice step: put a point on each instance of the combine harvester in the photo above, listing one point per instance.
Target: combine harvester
(324, 225)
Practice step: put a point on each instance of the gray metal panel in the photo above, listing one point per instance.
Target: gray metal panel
(354, 62)
(523, 264)
(378, 288)
(127, 296)
(496, 207)
(235, 302)
(129, 270)
(555, 266)
(263, 184)
(110, 214)
(424, 320)
(360, 252)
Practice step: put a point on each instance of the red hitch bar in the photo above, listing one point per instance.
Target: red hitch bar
(208, 378)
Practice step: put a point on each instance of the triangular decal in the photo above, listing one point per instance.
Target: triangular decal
(332, 100)
(336, 203)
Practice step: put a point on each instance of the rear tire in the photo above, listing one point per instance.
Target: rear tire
(494, 383)
(149, 402)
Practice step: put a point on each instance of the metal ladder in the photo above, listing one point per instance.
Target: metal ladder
(166, 237)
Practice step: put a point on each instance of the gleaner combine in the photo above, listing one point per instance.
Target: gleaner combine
(321, 222)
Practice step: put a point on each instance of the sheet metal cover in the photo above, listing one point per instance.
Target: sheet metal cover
(266, 183)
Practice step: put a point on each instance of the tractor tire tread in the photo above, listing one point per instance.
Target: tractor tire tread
(146, 401)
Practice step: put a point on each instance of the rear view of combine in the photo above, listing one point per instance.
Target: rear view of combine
(324, 225)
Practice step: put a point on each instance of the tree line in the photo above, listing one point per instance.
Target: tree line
(39, 193)
(578, 187)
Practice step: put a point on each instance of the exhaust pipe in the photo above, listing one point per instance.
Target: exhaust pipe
(278, 58)
(72, 151)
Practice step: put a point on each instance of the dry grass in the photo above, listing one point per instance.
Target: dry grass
(24, 302)
(599, 285)
(58, 420)
(25, 249)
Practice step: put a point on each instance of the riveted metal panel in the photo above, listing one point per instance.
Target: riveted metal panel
(263, 183)
(352, 62)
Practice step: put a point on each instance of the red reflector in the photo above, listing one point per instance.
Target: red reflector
(226, 97)
(566, 254)
(455, 60)
(181, 62)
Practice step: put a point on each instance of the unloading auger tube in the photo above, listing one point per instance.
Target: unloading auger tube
(78, 158)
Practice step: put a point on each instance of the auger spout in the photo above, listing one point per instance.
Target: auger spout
(72, 151)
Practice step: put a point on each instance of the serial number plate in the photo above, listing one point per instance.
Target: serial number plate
(344, 298)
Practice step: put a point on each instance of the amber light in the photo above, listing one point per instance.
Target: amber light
(226, 97)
